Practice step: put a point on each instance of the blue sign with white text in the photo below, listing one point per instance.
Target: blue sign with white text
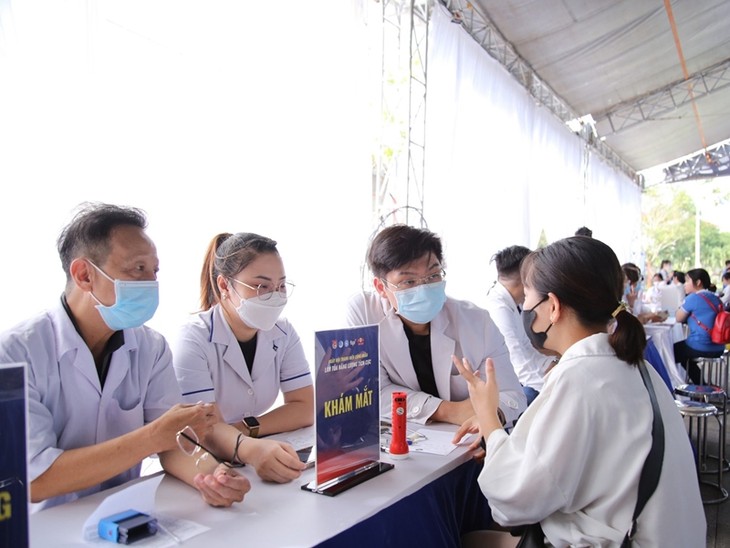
(348, 400)
(13, 450)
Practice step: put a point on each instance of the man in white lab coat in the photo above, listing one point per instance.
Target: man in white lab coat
(504, 303)
(101, 388)
(421, 328)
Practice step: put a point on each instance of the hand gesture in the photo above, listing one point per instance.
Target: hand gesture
(631, 296)
(484, 394)
(470, 426)
(223, 487)
(331, 384)
(200, 417)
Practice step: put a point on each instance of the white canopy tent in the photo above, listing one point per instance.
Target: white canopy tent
(228, 118)
(619, 62)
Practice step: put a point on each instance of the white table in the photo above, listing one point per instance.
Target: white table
(664, 335)
(271, 514)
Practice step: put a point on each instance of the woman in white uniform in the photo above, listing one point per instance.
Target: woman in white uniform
(574, 460)
(238, 352)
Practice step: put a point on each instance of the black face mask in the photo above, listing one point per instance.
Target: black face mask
(528, 318)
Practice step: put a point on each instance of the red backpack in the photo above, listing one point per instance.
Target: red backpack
(720, 332)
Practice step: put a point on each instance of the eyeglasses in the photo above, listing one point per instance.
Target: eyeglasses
(413, 282)
(189, 443)
(265, 291)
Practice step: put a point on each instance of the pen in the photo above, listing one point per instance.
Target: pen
(167, 531)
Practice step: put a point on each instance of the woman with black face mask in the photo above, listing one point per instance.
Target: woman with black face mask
(574, 460)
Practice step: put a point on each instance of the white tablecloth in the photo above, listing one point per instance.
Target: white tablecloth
(272, 515)
(664, 335)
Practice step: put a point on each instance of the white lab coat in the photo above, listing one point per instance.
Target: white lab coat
(574, 459)
(210, 366)
(67, 407)
(461, 329)
(528, 363)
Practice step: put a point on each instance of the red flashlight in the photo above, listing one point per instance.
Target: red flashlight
(398, 445)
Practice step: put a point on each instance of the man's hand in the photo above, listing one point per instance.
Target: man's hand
(200, 417)
(223, 487)
(273, 460)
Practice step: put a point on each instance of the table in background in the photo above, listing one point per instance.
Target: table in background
(426, 496)
(664, 335)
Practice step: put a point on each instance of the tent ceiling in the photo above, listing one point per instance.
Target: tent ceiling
(608, 58)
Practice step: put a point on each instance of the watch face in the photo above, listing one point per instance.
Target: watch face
(251, 422)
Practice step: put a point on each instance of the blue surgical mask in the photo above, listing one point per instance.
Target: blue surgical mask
(135, 303)
(537, 338)
(420, 304)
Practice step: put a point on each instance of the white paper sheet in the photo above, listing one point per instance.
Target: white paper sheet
(140, 497)
(437, 442)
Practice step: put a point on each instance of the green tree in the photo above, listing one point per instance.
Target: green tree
(668, 225)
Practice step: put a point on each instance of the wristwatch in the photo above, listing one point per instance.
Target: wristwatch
(252, 424)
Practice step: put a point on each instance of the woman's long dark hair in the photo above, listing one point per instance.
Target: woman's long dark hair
(701, 275)
(585, 275)
(227, 255)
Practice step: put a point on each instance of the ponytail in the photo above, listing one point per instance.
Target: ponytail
(628, 338)
(209, 292)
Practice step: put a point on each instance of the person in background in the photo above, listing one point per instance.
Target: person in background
(678, 280)
(633, 287)
(563, 464)
(727, 267)
(634, 295)
(420, 328)
(698, 311)
(504, 303)
(724, 293)
(665, 270)
(584, 231)
(102, 393)
(238, 352)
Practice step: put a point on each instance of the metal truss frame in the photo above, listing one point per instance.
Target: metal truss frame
(486, 34)
(715, 162)
(656, 104)
(398, 178)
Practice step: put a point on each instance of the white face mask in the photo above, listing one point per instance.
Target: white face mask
(261, 314)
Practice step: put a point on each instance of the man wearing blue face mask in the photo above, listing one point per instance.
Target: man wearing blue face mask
(421, 328)
(102, 392)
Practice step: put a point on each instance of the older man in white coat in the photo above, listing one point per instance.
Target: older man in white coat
(101, 388)
(421, 329)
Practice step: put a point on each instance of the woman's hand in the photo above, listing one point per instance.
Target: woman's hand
(631, 296)
(484, 394)
(470, 426)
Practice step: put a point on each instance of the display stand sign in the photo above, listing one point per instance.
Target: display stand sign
(347, 421)
(14, 494)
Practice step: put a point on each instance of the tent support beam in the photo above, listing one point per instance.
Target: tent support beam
(491, 40)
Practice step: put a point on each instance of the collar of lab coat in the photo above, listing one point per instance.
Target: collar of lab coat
(267, 344)
(394, 346)
(73, 348)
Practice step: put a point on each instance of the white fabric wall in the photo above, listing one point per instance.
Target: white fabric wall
(213, 117)
(501, 169)
(230, 118)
